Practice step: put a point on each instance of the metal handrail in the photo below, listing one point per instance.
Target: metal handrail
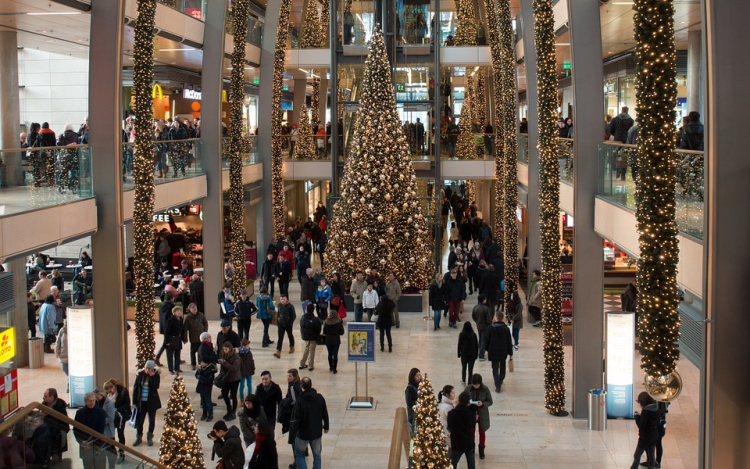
(635, 147)
(162, 141)
(77, 145)
(400, 439)
(35, 406)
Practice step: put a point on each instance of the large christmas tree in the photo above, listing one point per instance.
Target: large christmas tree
(430, 450)
(180, 444)
(378, 221)
(304, 147)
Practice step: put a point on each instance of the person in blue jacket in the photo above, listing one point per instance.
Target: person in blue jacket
(265, 306)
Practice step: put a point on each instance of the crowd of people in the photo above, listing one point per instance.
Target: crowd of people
(50, 165)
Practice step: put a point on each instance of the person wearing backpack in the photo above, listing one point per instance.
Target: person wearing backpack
(285, 320)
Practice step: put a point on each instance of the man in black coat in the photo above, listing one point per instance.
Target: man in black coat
(455, 293)
(165, 312)
(490, 286)
(227, 335)
(270, 396)
(307, 286)
(173, 339)
(309, 422)
(196, 290)
(228, 445)
(620, 125)
(309, 328)
(461, 421)
(50, 399)
(244, 310)
(499, 347)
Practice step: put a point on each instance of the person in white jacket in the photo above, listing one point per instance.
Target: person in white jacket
(446, 402)
(370, 301)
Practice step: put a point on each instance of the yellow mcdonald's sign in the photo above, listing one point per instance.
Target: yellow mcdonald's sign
(7, 345)
(223, 96)
(156, 91)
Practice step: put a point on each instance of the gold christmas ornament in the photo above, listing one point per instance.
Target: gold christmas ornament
(665, 387)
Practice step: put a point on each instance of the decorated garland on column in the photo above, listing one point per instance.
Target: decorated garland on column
(312, 38)
(466, 29)
(496, 56)
(277, 140)
(143, 175)
(549, 207)
(656, 94)
(507, 109)
(304, 148)
(241, 10)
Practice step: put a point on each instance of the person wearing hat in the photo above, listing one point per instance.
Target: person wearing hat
(227, 335)
(244, 310)
(146, 401)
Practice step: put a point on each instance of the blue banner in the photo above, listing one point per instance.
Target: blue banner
(361, 341)
(79, 386)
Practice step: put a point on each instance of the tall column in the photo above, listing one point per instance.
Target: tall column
(726, 415)
(213, 206)
(695, 72)
(105, 70)
(265, 212)
(588, 267)
(300, 87)
(323, 101)
(534, 243)
(20, 320)
(11, 115)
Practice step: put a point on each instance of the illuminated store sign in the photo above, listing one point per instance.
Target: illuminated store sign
(620, 364)
(192, 94)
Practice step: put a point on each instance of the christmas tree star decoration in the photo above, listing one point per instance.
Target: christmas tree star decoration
(304, 148)
(180, 443)
(241, 13)
(277, 139)
(378, 220)
(507, 124)
(656, 95)
(466, 23)
(549, 207)
(143, 175)
(430, 449)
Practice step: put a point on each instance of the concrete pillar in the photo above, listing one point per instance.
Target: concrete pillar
(725, 417)
(588, 267)
(105, 69)
(11, 115)
(300, 86)
(323, 102)
(534, 240)
(19, 319)
(213, 205)
(265, 213)
(695, 71)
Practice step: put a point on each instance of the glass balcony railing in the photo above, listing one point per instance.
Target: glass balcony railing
(194, 8)
(248, 150)
(523, 148)
(172, 159)
(33, 178)
(483, 147)
(254, 29)
(320, 148)
(618, 182)
(566, 152)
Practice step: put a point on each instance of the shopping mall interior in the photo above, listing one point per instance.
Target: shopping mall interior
(278, 136)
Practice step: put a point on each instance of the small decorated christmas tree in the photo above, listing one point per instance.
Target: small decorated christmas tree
(430, 450)
(465, 145)
(304, 147)
(180, 445)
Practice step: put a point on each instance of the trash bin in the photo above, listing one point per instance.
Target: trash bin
(36, 353)
(597, 410)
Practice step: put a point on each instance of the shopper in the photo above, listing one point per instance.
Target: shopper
(205, 374)
(436, 299)
(146, 401)
(58, 429)
(47, 318)
(309, 327)
(481, 399)
(385, 313)
(244, 309)
(333, 329)
(91, 416)
(310, 421)
(370, 300)
(357, 290)
(287, 405)
(482, 316)
(269, 394)
(173, 333)
(265, 306)
(468, 350)
(534, 299)
(648, 422)
(227, 335)
(194, 326)
(393, 292)
(251, 412)
(109, 428)
(227, 446)
(461, 421)
(499, 348)
(283, 272)
(323, 297)
(446, 402)
(515, 314)
(285, 322)
(247, 368)
(120, 396)
(455, 293)
(231, 366)
(302, 262)
(267, 274)
(61, 349)
(165, 313)
(411, 393)
(264, 455)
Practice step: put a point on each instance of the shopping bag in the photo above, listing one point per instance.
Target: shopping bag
(133, 417)
(510, 365)
(342, 310)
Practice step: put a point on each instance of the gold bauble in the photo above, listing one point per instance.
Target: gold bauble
(663, 388)
(365, 232)
(388, 197)
(381, 241)
(380, 218)
(350, 261)
(382, 261)
(362, 189)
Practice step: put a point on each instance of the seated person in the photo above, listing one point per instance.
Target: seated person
(83, 283)
(186, 270)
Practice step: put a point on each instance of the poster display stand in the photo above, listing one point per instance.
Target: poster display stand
(360, 346)
(80, 353)
(620, 364)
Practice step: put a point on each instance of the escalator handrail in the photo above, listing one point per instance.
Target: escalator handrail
(31, 407)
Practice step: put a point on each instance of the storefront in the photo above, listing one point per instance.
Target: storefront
(185, 225)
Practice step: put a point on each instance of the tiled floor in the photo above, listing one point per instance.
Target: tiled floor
(522, 434)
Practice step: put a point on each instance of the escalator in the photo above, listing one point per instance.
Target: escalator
(38, 436)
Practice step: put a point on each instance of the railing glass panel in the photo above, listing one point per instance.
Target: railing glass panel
(172, 159)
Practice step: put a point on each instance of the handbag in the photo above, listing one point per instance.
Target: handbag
(336, 300)
(320, 340)
(220, 380)
(342, 311)
(510, 365)
(133, 417)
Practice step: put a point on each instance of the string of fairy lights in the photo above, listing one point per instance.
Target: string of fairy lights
(656, 96)
(241, 9)
(549, 206)
(277, 140)
(430, 448)
(378, 221)
(180, 445)
(496, 56)
(466, 23)
(312, 37)
(304, 148)
(507, 122)
(143, 175)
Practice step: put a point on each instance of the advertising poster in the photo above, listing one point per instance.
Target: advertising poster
(80, 353)
(361, 342)
(8, 393)
(620, 359)
(7, 345)
(566, 279)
